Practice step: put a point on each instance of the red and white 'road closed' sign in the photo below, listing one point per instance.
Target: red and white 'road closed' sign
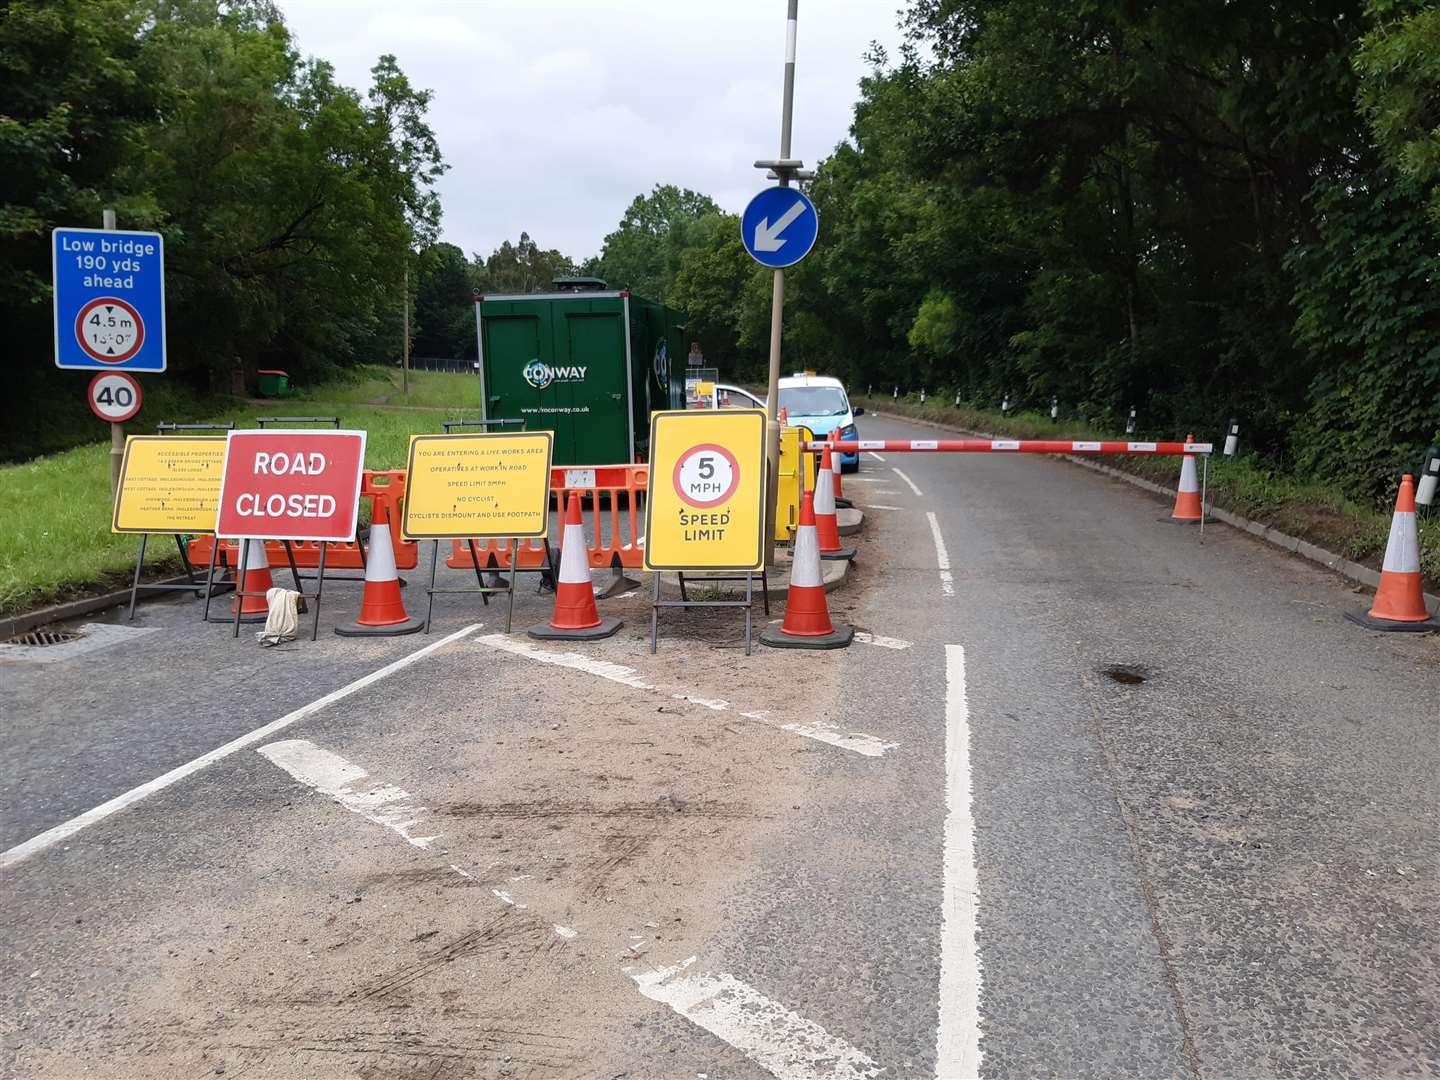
(291, 485)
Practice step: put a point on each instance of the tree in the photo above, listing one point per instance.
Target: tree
(444, 303)
(644, 253)
(522, 267)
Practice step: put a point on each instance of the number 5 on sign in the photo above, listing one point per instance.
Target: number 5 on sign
(707, 490)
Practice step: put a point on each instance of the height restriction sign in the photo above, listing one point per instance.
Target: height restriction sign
(707, 490)
(109, 299)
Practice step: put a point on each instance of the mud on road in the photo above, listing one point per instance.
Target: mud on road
(575, 827)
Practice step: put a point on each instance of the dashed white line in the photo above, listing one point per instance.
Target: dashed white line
(874, 455)
(942, 557)
(854, 741)
(907, 480)
(69, 828)
(330, 774)
(783, 1043)
(882, 641)
(957, 1037)
(878, 506)
(619, 673)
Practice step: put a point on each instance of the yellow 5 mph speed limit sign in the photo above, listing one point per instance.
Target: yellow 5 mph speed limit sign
(707, 490)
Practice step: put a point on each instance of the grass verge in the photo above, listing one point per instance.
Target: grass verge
(55, 538)
(1245, 484)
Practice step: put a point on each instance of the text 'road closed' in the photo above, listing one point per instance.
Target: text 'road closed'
(291, 485)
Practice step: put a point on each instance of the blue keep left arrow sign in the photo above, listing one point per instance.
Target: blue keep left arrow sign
(779, 226)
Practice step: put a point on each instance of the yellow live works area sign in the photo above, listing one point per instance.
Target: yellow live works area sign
(495, 484)
(706, 509)
(169, 484)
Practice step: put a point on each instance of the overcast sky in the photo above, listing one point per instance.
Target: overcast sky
(554, 114)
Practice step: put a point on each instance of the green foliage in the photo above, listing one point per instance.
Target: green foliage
(1167, 206)
(1399, 69)
(643, 255)
(1370, 314)
(444, 316)
(522, 267)
(288, 203)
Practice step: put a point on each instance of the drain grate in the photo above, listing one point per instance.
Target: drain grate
(39, 639)
(1126, 674)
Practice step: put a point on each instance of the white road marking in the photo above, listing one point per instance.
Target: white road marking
(826, 732)
(619, 673)
(854, 741)
(783, 1043)
(876, 456)
(718, 704)
(942, 557)
(330, 774)
(865, 480)
(878, 506)
(69, 828)
(884, 642)
(505, 898)
(568, 933)
(907, 480)
(957, 1038)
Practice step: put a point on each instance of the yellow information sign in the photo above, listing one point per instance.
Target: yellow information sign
(495, 484)
(706, 509)
(169, 484)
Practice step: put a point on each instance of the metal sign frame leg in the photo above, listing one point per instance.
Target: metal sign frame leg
(240, 586)
(319, 588)
(210, 578)
(430, 592)
(514, 563)
(136, 587)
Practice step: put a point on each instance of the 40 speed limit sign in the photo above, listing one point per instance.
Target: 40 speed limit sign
(707, 490)
(114, 396)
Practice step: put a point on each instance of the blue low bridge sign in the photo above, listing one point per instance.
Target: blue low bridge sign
(109, 299)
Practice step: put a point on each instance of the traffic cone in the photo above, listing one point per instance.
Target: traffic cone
(841, 503)
(1188, 510)
(826, 525)
(257, 583)
(807, 622)
(1400, 600)
(576, 618)
(382, 611)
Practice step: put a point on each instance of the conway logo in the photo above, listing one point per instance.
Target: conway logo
(540, 375)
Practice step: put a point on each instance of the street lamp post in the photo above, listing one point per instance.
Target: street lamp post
(784, 170)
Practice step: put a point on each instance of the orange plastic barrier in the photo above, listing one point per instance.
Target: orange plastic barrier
(615, 494)
(386, 486)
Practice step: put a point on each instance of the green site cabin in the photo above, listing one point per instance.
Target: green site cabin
(591, 365)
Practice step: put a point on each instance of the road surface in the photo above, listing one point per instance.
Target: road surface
(1096, 798)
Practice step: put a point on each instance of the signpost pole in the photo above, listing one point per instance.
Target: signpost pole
(117, 431)
(777, 303)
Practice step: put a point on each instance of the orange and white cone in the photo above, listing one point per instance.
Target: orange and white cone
(382, 611)
(253, 607)
(827, 526)
(807, 622)
(1400, 600)
(1188, 510)
(835, 470)
(576, 617)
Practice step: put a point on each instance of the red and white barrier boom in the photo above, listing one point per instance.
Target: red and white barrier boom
(1011, 446)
